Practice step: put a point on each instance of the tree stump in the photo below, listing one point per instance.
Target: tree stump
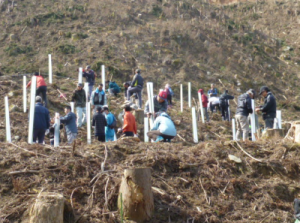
(137, 198)
(139, 115)
(48, 208)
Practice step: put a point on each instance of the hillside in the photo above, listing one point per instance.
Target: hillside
(236, 46)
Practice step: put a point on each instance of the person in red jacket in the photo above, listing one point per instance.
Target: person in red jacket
(204, 103)
(41, 87)
(129, 126)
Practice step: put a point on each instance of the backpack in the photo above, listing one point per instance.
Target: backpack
(113, 124)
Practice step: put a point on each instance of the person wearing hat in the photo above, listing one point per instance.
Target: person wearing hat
(111, 124)
(163, 129)
(129, 123)
(244, 108)
(160, 104)
(98, 98)
(79, 98)
(99, 121)
(136, 86)
(41, 121)
(41, 87)
(224, 105)
(269, 108)
(89, 75)
(69, 120)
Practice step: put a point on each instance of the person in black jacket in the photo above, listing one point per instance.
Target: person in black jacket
(136, 86)
(89, 75)
(80, 103)
(41, 121)
(99, 121)
(224, 104)
(244, 108)
(269, 108)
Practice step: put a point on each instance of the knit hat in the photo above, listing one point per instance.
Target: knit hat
(163, 95)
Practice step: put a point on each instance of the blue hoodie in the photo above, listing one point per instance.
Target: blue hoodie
(165, 125)
(109, 133)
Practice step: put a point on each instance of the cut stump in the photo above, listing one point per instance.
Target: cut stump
(137, 199)
(48, 208)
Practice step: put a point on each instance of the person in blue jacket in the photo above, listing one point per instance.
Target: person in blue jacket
(212, 92)
(70, 124)
(163, 129)
(114, 87)
(109, 129)
(41, 121)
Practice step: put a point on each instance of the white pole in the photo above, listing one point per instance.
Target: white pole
(233, 130)
(32, 108)
(72, 106)
(24, 95)
(7, 120)
(50, 69)
(228, 111)
(201, 107)
(278, 116)
(181, 98)
(275, 125)
(151, 104)
(88, 122)
(195, 131)
(86, 89)
(56, 130)
(190, 96)
(103, 76)
(146, 129)
(80, 75)
(253, 127)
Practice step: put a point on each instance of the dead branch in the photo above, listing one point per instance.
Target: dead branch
(181, 137)
(205, 193)
(106, 199)
(26, 150)
(246, 152)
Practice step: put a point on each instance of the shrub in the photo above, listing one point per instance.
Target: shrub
(66, 49)
(14, 50)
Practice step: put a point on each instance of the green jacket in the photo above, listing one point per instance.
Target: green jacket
(79, 98)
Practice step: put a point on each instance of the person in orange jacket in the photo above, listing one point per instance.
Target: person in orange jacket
(129, 126)
(41, 87)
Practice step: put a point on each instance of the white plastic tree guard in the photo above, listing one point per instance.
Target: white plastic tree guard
(50, 68)
(7, 120)
(181, 98)
(72, 106)
(56, 130)
(146, 129)
(195, 130)
(103, 76)
(228, 110)
(201, 107)
(24, 94)
(233, 130)
(278, 116)
(32, 108)
(151, 103)
(88, 122)
(275, 124)
(190, 94)
(86, 89)
(80, 75)
(253, 127)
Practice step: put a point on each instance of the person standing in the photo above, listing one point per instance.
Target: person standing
(160, 104)
(111, 124)
(79, 98)
(170, 94)
(163, 129)
(70, 124)
(212, 92)
(224, 105)
(41, 121)
(89, 75)
(98, 98)
(136, 86)
(204, 103)
(269, 108)
(99, 121)
(244, 108)
(129, 126)
(41, 87)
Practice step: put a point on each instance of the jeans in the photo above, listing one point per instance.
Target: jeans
(81, 116)
(39, 134)
(138, 91)
(71, 137)
(90, 91)
(224, 111)
(269, 123)
(206, 114)
(242, 125)
(155, 133)
(42, 90)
